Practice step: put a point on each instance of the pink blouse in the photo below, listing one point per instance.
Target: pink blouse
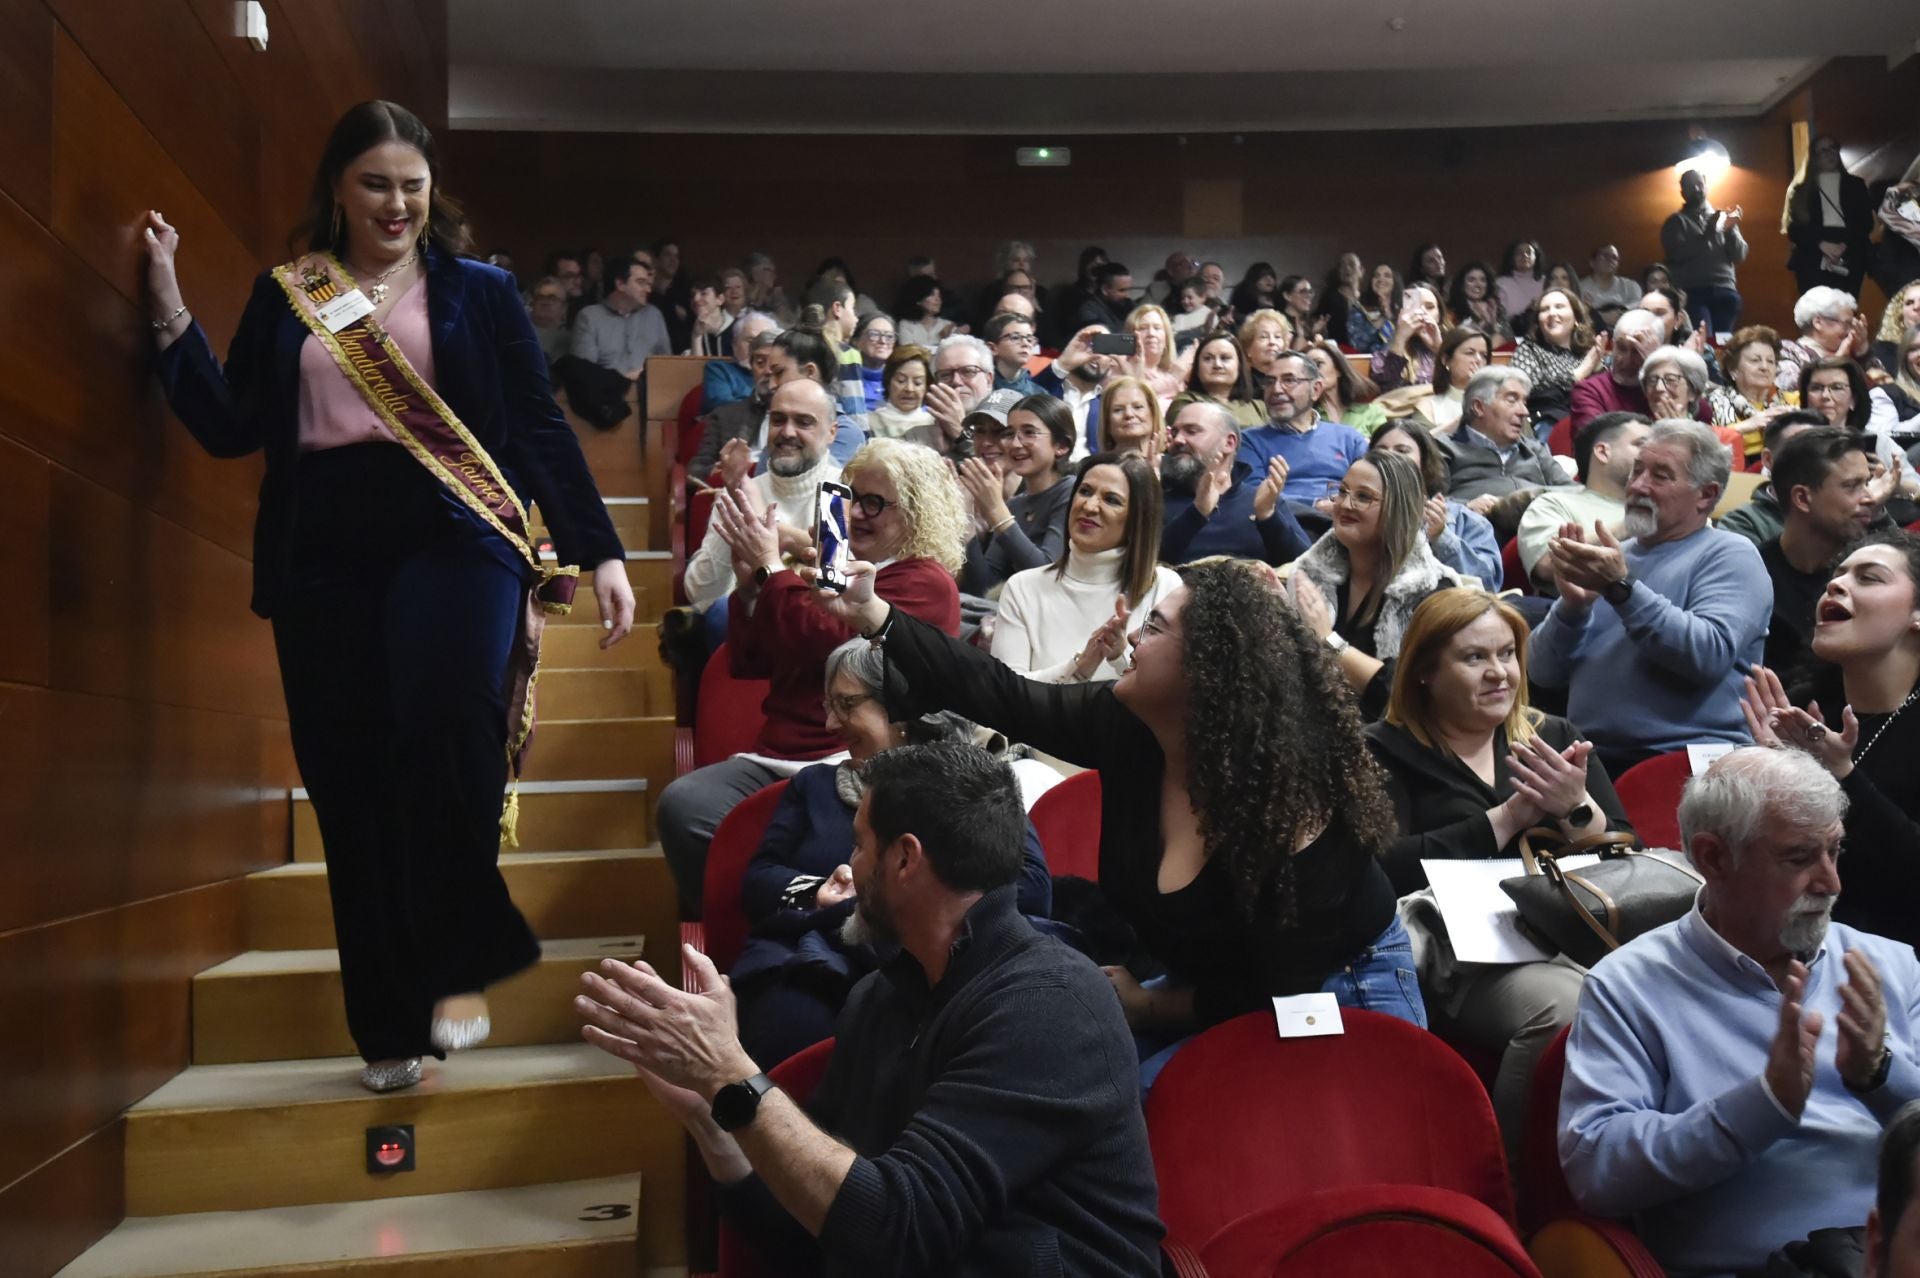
(332, 412)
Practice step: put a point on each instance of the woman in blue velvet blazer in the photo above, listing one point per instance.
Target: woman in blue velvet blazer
(395, 608)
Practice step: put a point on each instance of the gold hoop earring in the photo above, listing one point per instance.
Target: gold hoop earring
(421, 245)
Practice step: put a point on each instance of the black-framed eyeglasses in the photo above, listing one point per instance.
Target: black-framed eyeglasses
(872, 505)
(843, 706)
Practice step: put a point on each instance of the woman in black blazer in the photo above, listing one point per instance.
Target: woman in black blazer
(1470, 768)
(1829, 220)
(398, 587)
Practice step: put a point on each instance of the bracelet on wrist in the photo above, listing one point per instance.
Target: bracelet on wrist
(161, 326)
(1002, 525)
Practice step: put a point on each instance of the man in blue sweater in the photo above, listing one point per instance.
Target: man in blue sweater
(981, 1111)
(1654, 638)
(1317, 451)
(1215, 505)
(1729, 1075)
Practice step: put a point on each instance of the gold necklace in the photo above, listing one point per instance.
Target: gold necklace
(377, 291)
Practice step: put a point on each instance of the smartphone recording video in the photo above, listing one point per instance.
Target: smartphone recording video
(1114, 344)
(830, 505)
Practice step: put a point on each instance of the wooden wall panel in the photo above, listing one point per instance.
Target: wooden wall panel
(26, 103)
(162, 62)
(109, 801)
(25, 494)
(95, 1010)
(146, 610)
(59, 1209)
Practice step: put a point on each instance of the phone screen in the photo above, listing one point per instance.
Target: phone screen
(830, 505)
(1113, 344)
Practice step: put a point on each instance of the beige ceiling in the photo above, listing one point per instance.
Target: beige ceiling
(1076, 66)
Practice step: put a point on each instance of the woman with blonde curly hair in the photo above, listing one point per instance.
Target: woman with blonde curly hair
(1902, 313)
(1154, 361)
(906, 513)
(1241, 819)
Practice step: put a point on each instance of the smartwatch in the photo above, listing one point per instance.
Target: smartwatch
(761, 574)
(735, 1104)
(1336, 641)
(1616, 592)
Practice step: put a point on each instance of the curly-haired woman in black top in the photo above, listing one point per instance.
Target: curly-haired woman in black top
(1241, 818)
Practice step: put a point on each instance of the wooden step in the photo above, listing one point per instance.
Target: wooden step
(589, 692)
(489, 1119)
(629, 515)
(563, 894)
(567, 646)
(576, 1229)
(581, 749)
(555, 816)
(277, 1005)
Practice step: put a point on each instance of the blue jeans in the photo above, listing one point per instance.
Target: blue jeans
(1714, 304)
(1381, 978)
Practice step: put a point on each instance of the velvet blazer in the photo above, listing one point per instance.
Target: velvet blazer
(488, 367)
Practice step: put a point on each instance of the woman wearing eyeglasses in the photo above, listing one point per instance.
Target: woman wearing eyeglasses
(906, 513)
(874, 337)
(1358, 585)
(792, 976)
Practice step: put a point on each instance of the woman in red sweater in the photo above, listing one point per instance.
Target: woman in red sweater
(908, 518)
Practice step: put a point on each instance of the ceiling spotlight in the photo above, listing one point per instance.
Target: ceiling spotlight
(1704, 156)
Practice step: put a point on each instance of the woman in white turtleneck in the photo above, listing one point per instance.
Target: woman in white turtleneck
(1068, 622)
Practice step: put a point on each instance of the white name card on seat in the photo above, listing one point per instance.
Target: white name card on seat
(1308, 1015)
(1701, 754)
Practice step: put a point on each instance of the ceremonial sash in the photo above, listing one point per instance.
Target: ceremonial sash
(374, 365)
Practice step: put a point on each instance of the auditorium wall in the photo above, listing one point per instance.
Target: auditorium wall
(1293, 199)
(144, 760)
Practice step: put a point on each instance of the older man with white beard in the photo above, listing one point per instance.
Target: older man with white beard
(1729, 1075)
(1686, 609)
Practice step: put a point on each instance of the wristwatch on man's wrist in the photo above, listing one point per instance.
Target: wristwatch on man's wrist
(1616, 592)
(1880, 1072)
(735, 1104)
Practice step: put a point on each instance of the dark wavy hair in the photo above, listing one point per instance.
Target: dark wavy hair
(1274, 752)
(1242, 385)
(1145, 506)
(361, 129)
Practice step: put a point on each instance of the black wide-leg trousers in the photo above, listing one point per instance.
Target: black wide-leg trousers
(393, 631)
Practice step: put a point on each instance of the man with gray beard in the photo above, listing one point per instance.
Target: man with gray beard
(1729, 1075)
(1653, 637)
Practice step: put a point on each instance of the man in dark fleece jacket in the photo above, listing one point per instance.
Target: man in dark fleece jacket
(981, 1112)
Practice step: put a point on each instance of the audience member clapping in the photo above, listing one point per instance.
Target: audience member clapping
(1900, 318)
(1853, 709)
(1217, 504)
(1428, 266)
(1296, 299)
(1130, 420)
(1345, 395)
(1749, 398)
(1370, 323)
(1068, 622)
(1616, 389)
(1474, 300)
(1560, 350)
(743, 419)
(1904, 391)
(1603, 453)
(1471, 768)
(1462, 539)
(1028, 529)
(875, 338)
(1241, 821)
(962, 378)
(1154, 360)
(1340, 297)
(795, 971)
(1357, 587)
(1651, 636)
(1830, 328)
(1728, 1075)
(905, 513)
(1316, 452)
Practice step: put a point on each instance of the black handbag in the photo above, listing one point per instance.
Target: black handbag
(1586, 914)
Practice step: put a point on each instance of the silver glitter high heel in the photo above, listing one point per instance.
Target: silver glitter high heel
(450, 1035)
(391, 1077)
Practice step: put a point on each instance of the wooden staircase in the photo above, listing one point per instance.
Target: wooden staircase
(536, 1156)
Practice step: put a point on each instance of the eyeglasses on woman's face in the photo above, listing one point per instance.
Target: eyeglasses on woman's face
(871, 505)
(1667, 382)
(1353, 498)
(843, 705)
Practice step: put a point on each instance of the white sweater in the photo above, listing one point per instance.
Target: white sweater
(710, 568)
(1045, 621)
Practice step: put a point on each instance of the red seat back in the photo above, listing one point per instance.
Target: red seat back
(1513, 573)
(1650, 792)
(1241, 1119)
(1067, 818)
(722, 920)
(1544, 1195)
(798, 1075)
(1560, 438)
(688, 427)
(727, 718)
(1362, 1231)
